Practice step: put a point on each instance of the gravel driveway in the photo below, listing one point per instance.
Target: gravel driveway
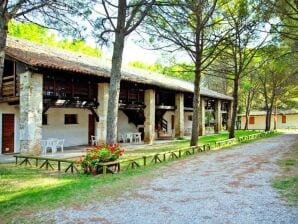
(228, 186)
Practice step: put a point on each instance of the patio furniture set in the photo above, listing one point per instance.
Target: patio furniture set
(52, 144)
(130, 137)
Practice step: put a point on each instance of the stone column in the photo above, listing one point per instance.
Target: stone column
(229, 115)
(102, 112)
(31, 105)
(218, 118)
(149, 112)
(202, 117)
(179, 115)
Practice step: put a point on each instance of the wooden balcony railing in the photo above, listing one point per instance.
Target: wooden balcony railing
(10, 87)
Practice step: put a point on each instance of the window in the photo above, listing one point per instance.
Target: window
(9, 68)
(251, 120)
(70, 119)
(284, 119)
(44, 119)
(190, 117)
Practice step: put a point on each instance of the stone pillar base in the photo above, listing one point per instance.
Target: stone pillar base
(179, 115)
(31, 104)
(202, 117)
(102, 112)
(149, 112)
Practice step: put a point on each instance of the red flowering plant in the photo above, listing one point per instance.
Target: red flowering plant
(103, 153)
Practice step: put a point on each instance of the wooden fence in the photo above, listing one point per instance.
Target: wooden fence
(47, 162)
(130, 164)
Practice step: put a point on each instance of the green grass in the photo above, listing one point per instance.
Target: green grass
(24, 189)
(287, 183)
(288, 187)
(182, 144)
(288, 162)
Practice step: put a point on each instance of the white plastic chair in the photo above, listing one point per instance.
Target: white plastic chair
(60, 144)
(44, 146)
(129, 137)
(93, 140)
(122, 138)
(52, 144)
(137, 137)
(48, 144)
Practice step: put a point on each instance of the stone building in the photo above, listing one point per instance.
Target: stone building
(48, 92)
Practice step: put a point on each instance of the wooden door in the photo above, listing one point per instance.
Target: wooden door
(7, 133)
(91, 127)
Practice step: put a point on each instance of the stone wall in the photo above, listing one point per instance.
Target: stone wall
(30, 112)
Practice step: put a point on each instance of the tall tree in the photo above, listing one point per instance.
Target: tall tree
(195, 28)
(119, 18)
(250, 90)
(284, 22)
(278, 78)
(246, 39)
(58, 14)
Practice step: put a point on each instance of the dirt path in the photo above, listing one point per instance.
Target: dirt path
(228, 186)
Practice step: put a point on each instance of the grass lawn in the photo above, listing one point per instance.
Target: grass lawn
(287, 183)
(25, 189)
(182, 144)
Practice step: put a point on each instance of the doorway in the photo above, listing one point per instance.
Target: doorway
(7, 133)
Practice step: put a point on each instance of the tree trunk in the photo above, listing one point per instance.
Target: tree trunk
(268, 118)
(246, 121)
(248, 107)
(270, 113)
(275, 117)
(3, 36)
(235, 105)
(113, 104)
(196, 108)
(198, 72)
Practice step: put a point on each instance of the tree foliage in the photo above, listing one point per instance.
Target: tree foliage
(175, 69)
(244, 23)
(278, 80)
(193, 27)
(42, 35)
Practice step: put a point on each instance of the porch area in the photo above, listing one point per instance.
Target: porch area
(73, 152)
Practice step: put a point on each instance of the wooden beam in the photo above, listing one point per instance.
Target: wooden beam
(9, 99)
(94, 113)
(46, 108)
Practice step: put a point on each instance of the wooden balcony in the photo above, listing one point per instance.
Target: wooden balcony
(9, 87)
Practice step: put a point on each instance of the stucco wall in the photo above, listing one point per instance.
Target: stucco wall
(168, 116)
(291, 121)
(187, 123)
(74, 134)
(6, 109)
(123, 125)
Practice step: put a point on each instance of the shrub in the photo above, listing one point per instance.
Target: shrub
(103, 153)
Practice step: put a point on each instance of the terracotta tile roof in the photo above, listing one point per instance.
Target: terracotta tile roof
(38, 55)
